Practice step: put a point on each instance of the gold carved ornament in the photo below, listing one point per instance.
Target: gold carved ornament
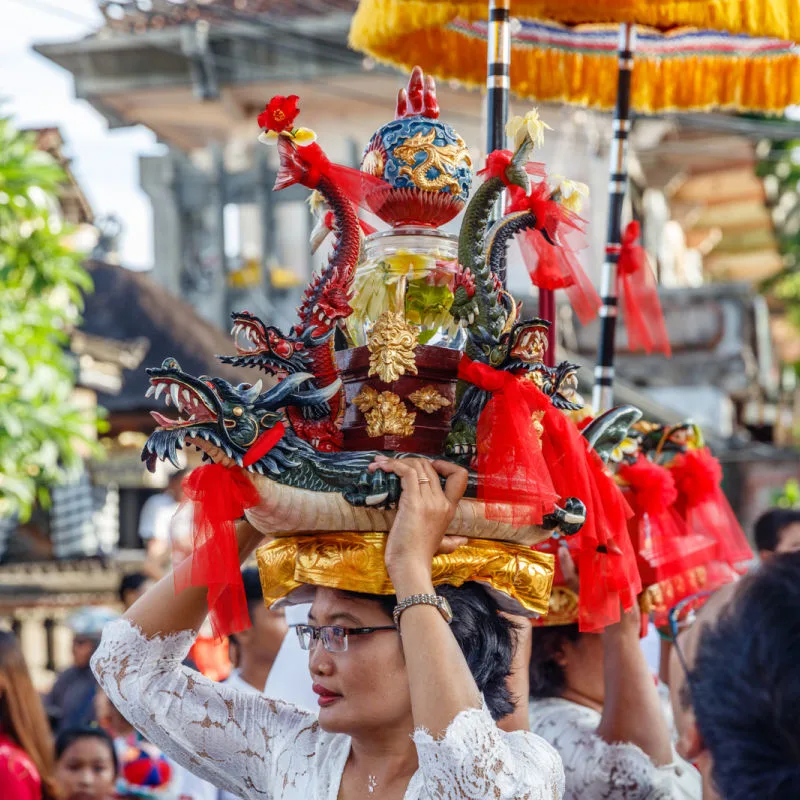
(442, 158)
(429, 400)
(354, 562)
(660, 597)
(385, 413)
(562, 607)
(391, 345)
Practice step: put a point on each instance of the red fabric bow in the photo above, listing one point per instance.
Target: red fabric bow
(638, 290)
(498, 161)
(706, 510)
(517, 462)
(219, 496)
(555, 266)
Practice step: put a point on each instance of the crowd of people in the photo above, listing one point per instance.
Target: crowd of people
(487, 706)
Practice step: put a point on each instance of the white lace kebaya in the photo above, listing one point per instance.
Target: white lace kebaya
(262, 749)
(597, 770)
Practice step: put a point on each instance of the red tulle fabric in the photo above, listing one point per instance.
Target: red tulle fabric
(510, 461)
(219, 496)
(606, 562)
(664, 546)
(555, 266)
(638, 292)
(308, 165)
(703, 505)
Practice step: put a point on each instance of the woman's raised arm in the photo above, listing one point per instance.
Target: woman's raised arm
(441, 683)
(236, 741)
(160, 611)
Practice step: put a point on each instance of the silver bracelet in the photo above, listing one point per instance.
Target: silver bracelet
(424, 600)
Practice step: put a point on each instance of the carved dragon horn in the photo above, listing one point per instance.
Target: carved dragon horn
(250, 395)
(285, 393)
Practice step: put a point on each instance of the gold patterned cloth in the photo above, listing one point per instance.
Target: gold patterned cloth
(520, 578)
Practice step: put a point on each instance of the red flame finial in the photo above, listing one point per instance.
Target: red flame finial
(419, 99)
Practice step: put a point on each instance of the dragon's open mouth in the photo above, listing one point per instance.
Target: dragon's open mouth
(248, 338)
(530, 346)
(192, 408)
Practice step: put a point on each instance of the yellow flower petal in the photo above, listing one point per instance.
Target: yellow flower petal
(304, 136)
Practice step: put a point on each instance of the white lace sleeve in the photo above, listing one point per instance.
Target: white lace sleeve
(231, 739)
(597, 770)
(476, 759)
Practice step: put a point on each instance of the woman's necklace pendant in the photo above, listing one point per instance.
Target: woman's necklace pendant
(372, 782)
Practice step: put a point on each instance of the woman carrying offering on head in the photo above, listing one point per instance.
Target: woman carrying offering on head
(595, 700)
(409, 686)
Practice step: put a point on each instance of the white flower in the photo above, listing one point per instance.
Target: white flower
(573, 193)
(531, 125)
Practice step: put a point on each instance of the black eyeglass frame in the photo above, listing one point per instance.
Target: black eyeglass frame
(317, 634)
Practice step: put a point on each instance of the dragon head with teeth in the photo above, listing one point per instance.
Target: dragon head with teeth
(264, 346)
(229, 417)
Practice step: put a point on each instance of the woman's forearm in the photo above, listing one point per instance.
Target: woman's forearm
(163, 611)
(440, 681)
(631, 709)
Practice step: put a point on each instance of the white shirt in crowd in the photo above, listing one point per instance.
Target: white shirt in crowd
(156, 516)
(597, 770)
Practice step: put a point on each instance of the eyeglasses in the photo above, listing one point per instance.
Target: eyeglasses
(681, 616)
(333, 637)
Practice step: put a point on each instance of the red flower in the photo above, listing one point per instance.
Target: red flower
(279, 114)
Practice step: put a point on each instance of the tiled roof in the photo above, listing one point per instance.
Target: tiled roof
(138, 16)
(127, 306)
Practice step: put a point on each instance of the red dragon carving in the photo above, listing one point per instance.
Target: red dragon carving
(309, 345)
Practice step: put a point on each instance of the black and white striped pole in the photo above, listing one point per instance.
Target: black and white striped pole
(603, 392)
(498, 82)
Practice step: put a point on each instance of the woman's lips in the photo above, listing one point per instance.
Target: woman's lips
(326, 697)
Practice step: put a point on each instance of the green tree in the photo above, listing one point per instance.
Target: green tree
(780, 168)
(42, 434)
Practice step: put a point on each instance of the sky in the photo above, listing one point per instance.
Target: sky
(36, 93)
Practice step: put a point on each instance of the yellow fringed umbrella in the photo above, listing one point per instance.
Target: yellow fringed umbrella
(676, 69)
(690, 55)
(776, 18)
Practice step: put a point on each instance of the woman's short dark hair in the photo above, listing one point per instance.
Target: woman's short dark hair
(547, 676)
(131, 582)
(745, 686)
(486, 638)
(771, 524)
(69, 736)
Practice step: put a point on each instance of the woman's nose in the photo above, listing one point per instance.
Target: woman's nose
(319, 659)
(86, 777)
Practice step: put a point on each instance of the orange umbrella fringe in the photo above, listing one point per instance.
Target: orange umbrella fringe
(696, 83)
(389, 19)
